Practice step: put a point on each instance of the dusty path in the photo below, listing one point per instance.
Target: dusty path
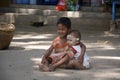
(29, 43)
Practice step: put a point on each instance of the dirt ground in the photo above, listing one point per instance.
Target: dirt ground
(29, 44)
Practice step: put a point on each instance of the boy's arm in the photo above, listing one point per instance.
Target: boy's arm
(83, 49)
(48, 52)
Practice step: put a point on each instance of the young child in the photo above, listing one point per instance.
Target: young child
(58, 46)
(72, 54)
(80, 59)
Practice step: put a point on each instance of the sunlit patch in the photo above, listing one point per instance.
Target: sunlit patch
(36, 60)
(107, 75)
(59, 74)
(31, 37)
(107, 33)
(108, 47)
(36, 47)
(104, 42)
(100, 46)
(36, 67)
(47, 12)
(106, 57)
(38, 42)
(29, 11)
(73, 14)
(32, 41)
(32, 45)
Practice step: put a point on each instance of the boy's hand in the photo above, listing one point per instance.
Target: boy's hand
(44, 60)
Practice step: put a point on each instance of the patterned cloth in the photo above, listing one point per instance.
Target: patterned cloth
(59, 46)
(86, 61)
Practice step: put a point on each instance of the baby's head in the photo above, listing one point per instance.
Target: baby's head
(74, 37)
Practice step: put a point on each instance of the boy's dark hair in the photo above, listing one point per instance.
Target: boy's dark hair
(76, 32)
(65, 21)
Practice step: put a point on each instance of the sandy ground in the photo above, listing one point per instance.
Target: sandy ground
(29, 44)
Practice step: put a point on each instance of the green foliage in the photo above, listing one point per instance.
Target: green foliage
(71, 4)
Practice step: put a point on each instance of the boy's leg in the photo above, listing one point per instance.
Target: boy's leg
(43, 67)
(59, 63)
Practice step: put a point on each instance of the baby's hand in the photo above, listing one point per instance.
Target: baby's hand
(80, 61)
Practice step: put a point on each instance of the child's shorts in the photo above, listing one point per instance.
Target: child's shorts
(56, 57)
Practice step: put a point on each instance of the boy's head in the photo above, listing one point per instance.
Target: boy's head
(74, 37)
(63, 26)
(65, 21)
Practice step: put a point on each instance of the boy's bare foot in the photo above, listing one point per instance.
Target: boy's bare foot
(43, 67)
(52, 68)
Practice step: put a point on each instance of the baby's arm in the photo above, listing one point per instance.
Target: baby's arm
(83, 49)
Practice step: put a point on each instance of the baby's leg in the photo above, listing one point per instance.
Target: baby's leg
(70, 65)
(74, 64)
(77, 65)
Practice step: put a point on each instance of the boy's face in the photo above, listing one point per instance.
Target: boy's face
(62, 30)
